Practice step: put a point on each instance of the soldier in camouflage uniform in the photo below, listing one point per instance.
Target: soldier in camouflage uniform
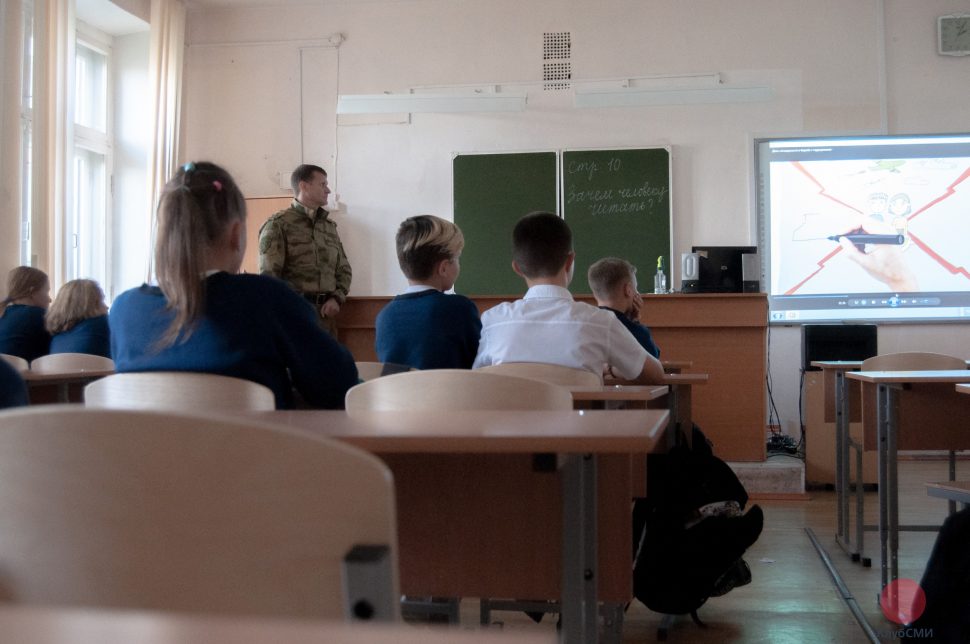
(300, 245)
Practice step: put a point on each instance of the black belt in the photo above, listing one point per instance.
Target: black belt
(317, 298)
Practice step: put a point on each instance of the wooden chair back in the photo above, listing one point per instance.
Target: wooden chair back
(157, 511)
(16, 362)
(456, 389)
(70, 363)
(913, 361)
(178, 390)
(370, 370)
(554, 373)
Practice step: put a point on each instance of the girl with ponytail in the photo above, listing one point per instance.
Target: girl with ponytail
(203, 316)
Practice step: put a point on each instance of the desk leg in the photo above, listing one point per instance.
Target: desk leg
(679, 396)
(579, 552)
(841, 461)
(886, 419)
(892, 480)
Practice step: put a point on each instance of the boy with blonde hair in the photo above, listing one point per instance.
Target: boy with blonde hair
(547, 325)
(424, 327)
(614, 284)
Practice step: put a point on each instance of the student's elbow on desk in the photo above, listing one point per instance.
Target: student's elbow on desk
(652, 373)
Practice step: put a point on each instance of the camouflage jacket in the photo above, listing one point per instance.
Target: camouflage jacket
(304, 249)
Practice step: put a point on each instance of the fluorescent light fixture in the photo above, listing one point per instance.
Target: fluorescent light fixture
(441, 103)
(639, 96)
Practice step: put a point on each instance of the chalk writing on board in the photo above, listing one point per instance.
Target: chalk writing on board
(613, 200)
(639, 198)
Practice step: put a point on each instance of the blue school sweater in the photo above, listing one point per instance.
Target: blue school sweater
(639, 331)
(428, 330)
(254, 327)
(13, 389)
(22, 332)
(87, 336)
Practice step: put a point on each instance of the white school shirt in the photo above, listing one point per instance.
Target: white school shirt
(547, 325)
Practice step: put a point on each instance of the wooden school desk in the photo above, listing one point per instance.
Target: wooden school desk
(481, 513)
(41, 384)
(49, 625)
(680, 401)
(910, 410)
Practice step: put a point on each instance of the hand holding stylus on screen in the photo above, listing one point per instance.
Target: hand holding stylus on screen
(885, 260)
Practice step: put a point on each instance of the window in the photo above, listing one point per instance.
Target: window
(87, 229)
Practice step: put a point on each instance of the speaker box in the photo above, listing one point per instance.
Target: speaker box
(690, 272)
(751, 273)
(837, 342)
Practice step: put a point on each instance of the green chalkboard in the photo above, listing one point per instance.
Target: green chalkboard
(492, 191)
(617, 203)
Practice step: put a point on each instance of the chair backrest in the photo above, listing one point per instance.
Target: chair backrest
(456, 389)
(554, 373)
(70, 363)
(178, 390)
(913, 361)
(16, 362)
(370, 370)
(157, 511)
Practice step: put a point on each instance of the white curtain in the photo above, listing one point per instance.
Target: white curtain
(53, 134)
(165, 76)
(11, 39)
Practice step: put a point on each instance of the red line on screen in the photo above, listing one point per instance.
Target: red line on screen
(954, 270)
(821, 188)
(950, 190)
(821, 265)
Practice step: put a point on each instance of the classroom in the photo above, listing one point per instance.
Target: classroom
(254, 85)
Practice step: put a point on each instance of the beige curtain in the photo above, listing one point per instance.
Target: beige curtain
(11, 39)
(165, 74)
(53, 134)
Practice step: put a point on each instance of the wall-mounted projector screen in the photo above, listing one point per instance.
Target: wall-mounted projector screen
(865, 228)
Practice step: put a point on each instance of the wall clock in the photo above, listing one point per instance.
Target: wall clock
(953, 35)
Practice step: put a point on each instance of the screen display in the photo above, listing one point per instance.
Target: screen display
(865, 228)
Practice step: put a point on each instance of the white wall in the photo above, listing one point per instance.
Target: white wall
(130, 227)
(835, 67)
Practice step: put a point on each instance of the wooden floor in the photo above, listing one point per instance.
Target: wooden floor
(792, 597)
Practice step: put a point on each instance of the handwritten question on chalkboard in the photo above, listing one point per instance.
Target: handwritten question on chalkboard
(641, 197)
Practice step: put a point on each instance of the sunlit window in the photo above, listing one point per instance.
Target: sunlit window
(88, 228)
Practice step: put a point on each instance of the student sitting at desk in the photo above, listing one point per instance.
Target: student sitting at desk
(13, 389)
(614, 284)
(547, 325)
(78, 320)
(423, 327)
(204, 317)
(22, 331)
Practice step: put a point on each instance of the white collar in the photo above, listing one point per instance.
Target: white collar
(418, 288)
(548, 290)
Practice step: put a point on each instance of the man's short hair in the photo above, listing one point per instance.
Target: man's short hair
(304, 172)
(541, 243)
(425, 240)
(609, 274)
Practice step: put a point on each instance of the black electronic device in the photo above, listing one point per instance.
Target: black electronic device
(837, 342)
(720, 268)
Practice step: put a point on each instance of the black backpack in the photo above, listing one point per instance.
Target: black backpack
(681, 560)
(946, 583)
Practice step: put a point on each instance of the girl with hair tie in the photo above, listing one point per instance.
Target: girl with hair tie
(205, 317)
